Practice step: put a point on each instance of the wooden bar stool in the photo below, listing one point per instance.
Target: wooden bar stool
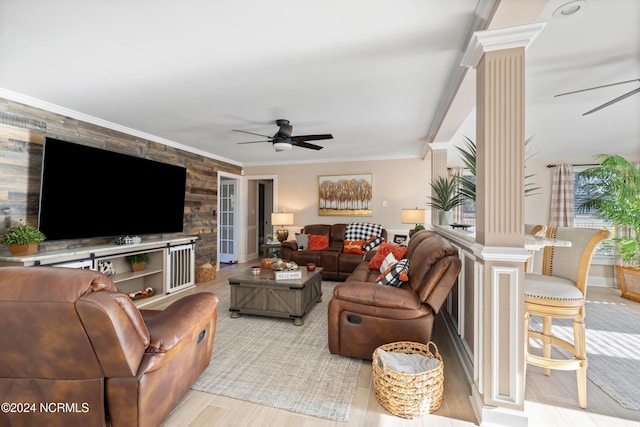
(534, 230)
(560, 292)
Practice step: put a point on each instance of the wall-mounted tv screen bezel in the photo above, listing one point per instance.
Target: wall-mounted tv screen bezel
(88, 192)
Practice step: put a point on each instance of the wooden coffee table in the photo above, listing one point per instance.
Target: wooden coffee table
(263, 295)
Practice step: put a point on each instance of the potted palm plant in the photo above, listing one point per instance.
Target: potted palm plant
(444, 197)
(612, 190)
(22, 240)
(468, 154)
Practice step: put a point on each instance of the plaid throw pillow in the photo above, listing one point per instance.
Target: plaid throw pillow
(372, 243)
(396, 274)
(361, 230)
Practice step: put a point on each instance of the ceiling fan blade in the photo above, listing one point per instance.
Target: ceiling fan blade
(306, 145)
(303, 138)
(252, 142)
(613, 101)
(596, 87)
(250, 133)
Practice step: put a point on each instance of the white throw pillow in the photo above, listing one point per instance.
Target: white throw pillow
(388, 261)
(303, 241)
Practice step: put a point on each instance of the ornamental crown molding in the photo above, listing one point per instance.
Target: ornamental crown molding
(499, 39)
(434, 146)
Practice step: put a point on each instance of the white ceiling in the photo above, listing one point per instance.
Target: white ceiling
(372, 73)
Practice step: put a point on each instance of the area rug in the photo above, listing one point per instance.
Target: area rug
(613, 348)
(271, 362)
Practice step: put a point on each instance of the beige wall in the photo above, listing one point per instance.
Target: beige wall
(397, 184)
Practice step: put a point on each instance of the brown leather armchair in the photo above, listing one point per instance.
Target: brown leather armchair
(76, 352)
(364, 315)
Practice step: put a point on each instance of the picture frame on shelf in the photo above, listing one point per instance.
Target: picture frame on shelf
(400, 239)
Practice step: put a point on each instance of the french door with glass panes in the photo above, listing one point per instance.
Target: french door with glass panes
(227, 248)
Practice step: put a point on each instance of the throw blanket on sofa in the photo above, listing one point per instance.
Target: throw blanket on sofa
(362, 231)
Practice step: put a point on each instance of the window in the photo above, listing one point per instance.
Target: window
(589, 219)
(468, 205)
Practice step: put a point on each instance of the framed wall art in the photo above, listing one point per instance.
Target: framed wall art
(345, 195)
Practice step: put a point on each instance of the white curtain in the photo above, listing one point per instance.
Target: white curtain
(458, 217)
(562, 209)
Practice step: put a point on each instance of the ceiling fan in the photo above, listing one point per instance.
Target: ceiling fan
(283, 140)
(606, 104)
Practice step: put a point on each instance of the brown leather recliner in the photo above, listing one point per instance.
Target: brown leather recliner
(364, 315)
(76, 352)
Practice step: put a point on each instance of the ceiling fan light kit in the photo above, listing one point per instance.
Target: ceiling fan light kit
(282, 146)
(284, 141)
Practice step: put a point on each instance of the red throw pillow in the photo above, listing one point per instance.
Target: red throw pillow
(353, 247)
(318, 243)
(383, 250)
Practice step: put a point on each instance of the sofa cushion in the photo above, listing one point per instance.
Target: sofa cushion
(353, 246)
(303, 241)
(395, 274)
(370, 294)
(362, 230)
(318, 243)
(376, 262)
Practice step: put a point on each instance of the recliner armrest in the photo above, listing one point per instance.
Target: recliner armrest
(290, 244)
(288, 248)
(169, 326)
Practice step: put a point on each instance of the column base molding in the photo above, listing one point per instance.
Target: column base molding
(490, 416)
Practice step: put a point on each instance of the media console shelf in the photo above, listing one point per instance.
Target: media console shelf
(171, 265)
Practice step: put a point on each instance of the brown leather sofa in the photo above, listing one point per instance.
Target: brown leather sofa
(75, 352)
(364, 315)
(337, 265)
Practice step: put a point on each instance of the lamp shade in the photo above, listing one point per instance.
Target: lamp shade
(282, 218)
(413, 216)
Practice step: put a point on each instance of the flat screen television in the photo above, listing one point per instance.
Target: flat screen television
(88, 192)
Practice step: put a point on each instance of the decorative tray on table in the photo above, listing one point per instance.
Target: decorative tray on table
(281, 265)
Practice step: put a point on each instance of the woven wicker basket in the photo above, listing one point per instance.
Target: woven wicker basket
(408, 395)
(205, 272)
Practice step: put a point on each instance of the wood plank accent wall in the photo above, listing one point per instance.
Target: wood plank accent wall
(22, 132)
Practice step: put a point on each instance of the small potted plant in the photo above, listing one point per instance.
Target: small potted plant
(138, 261)
(445, 197)
(22, 240)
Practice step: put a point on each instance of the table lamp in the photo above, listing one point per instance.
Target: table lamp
(282, 219)
(414, 216)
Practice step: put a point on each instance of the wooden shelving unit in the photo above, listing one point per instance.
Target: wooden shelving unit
(161, 272)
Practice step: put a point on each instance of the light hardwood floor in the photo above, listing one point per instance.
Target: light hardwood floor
(549, 402)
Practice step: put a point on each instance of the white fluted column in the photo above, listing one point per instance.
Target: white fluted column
(499, 59)
(438, 168)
